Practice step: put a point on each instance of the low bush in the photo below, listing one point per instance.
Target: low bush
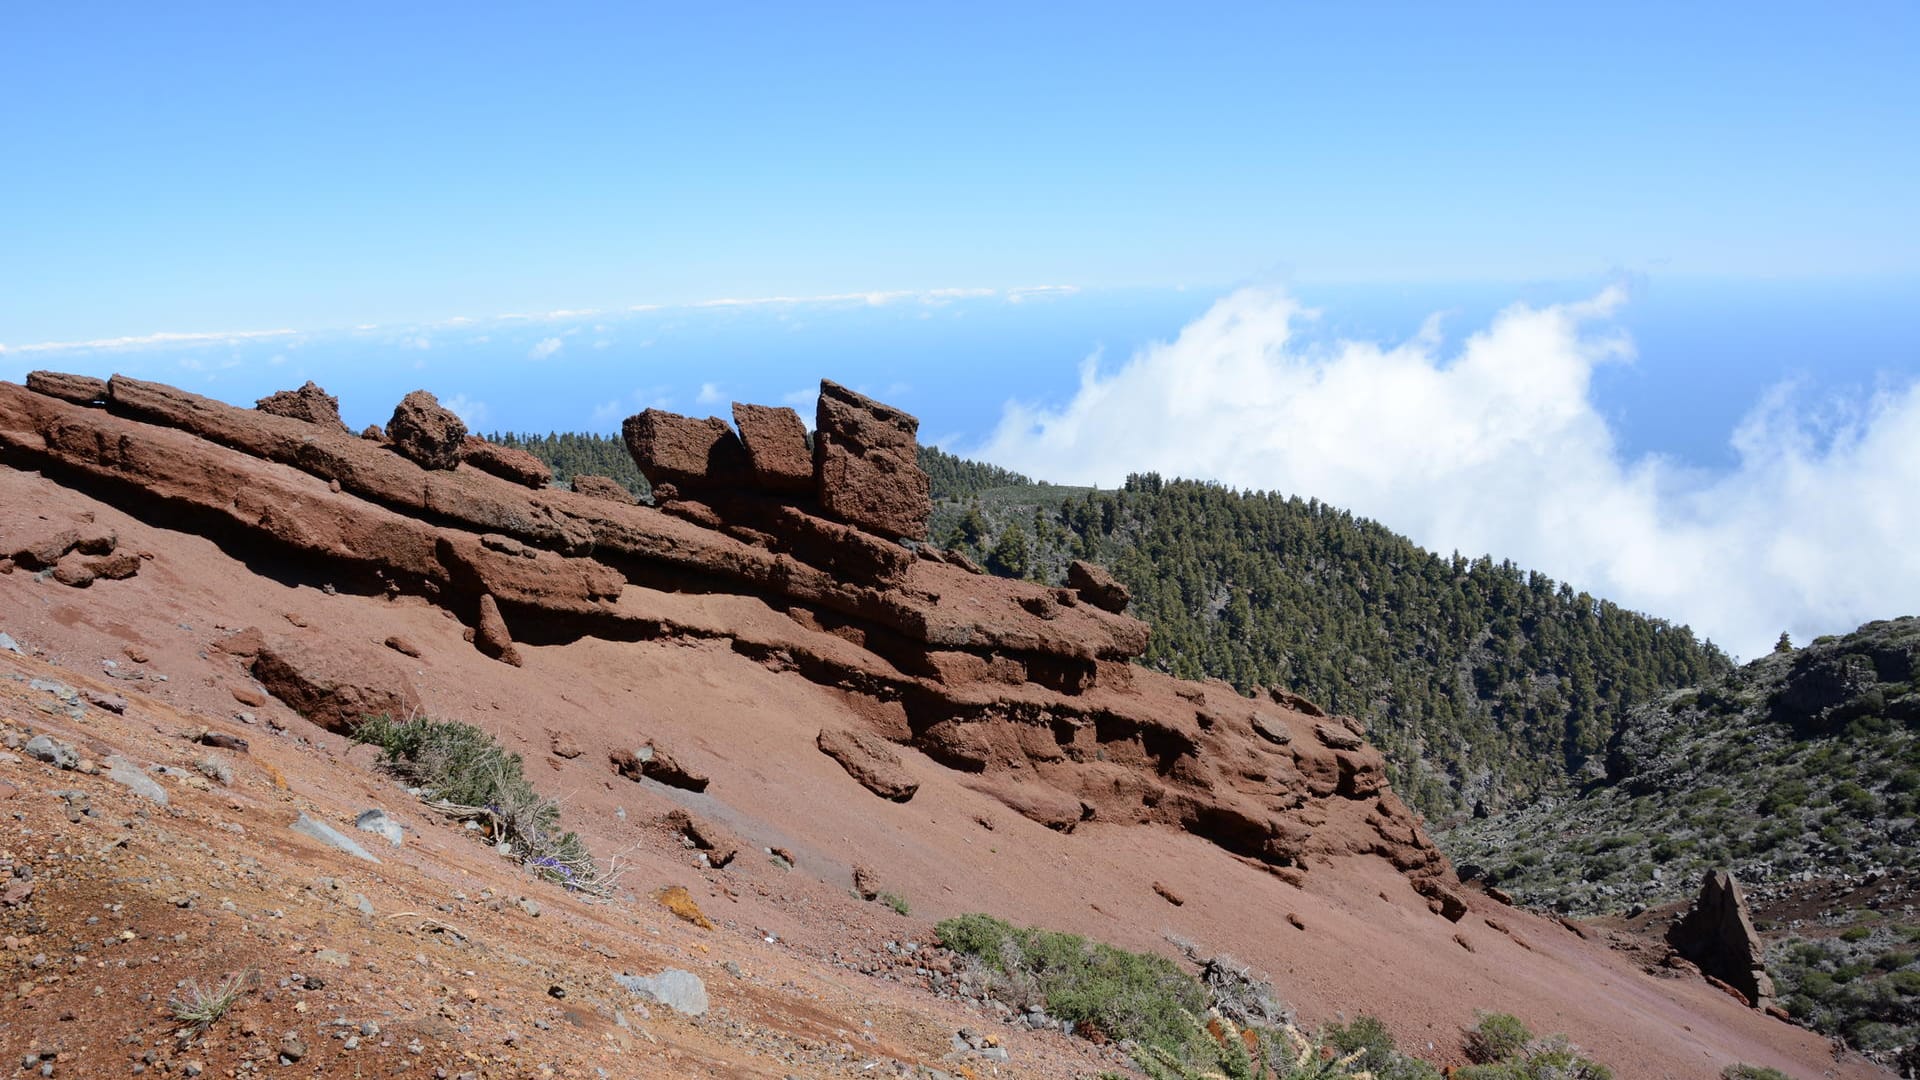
(471, 775)
(1497, 1037)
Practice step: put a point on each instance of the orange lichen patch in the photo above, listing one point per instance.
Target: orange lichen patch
(677, 900)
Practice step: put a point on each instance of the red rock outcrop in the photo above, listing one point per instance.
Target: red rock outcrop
(309, 403)
(425, 431)
(776, 444)
(509, 462)
(1025, 688)
(602, 487)
(866, 464)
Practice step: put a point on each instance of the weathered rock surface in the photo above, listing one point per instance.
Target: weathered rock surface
(426, 432)
(332, 687)
(655, 763)
(718, 844)
(681, 991)
(776, 442)
(693, 455)
(866, 464)
(602, 487)
(79, 389)
(1097, 587)
(309, 403)
(508, 462)
(871, 761)
(490, 634)
(1717, 934)
(332, 837)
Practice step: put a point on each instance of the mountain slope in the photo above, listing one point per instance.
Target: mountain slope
(1485, 683)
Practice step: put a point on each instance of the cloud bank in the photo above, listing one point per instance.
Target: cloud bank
(1499, 447)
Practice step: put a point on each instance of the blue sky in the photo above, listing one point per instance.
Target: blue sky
(534, 213)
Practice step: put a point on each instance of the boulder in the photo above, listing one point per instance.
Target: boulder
(1717, 934)
(508, 462)
(719, 845)
(866, 464)
(1097, 587)
(776, 443)
(309, 403)
(330, 836)
(601, 487)
(1291, 700)
(681, 991)
(692, 455)
(426, 432)
(655, 763)
(336, 689)
(1337, 737)
(490, 634)
(79, 389)
(1271, 729)
(868, 759)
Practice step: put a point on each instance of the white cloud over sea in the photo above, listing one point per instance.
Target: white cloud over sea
(1497, 446)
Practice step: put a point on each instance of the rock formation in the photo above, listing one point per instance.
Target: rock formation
(1025, 688)
(309, 403)
(1717, 934)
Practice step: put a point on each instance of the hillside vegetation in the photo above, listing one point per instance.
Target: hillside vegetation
(1484, 683)
(1802, 766)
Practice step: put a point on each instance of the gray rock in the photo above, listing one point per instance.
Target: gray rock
(332, 837)
(52, 751)
(377, 821)
(681, 991)
(7, 644)
(129, 776)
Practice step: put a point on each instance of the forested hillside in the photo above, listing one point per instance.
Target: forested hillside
(572, 453)
(1484, 682)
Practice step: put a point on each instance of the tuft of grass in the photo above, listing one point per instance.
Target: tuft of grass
(897, 902)
(199, 1008)
(471, 775)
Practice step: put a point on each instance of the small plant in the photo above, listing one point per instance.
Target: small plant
(897, 902)
(1752, 1072)
(1222, 1050)
(1497, 1037)
(201, 1007)
(472, 776)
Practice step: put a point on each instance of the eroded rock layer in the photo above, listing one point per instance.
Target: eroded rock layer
(1026, 689)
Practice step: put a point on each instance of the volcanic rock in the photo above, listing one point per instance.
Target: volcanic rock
(490, 634)
(869, 760)
(1717, 934)
(693, 455)
(335, 688)
(1097, 587)
(601, 487)
(866, 464)
(720, 845)
(508, 462)
(309, 403)
(79, 389)
(655, 763)
(1337, 737)
(426, 432)
(776, 443)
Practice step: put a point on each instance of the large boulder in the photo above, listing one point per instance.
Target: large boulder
(1717, 934)
(337, 688)
(868, 759)
(776, 444)
(79, 389)
(509, 462)
(866, 464)
(692, 455)
(1097, 587)
(309, 403)
(426, 432)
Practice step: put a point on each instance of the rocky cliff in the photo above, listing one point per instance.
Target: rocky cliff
(1024, 689)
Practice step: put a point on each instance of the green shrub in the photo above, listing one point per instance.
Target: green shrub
(1139, 996)
(1381, 1057)
(1752, 1072)
(1496, 1038)
(473, 776)
(1856, 933)
(897, 902)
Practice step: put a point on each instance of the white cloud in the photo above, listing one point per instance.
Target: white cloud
(1500, 448)
(147, 341)
(544, 348)
(471, 413)
(710, 394)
